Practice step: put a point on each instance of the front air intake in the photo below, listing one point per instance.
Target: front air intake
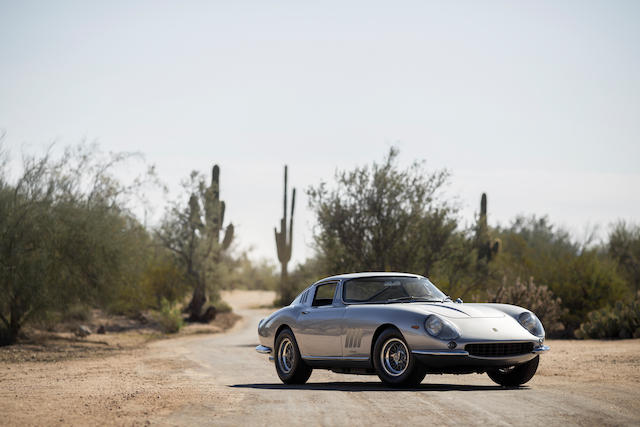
(499, 349)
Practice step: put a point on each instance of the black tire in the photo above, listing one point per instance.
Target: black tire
(516, 375)
(408, 372)
(290, 368)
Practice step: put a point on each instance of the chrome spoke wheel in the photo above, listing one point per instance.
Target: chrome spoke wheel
(286, 355)
(394, 357)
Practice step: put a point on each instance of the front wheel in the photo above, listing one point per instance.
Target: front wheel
(515, 376)
(394, 363)
(289, 365)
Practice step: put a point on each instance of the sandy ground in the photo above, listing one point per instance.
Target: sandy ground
(219, 379)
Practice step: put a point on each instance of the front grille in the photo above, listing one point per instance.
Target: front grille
(499, 349)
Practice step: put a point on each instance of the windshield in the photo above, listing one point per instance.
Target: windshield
(390, 289)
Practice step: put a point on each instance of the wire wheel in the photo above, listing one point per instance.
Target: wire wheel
(394, 357)
(286, 355)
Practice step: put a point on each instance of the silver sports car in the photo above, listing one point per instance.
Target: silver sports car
(400, 327)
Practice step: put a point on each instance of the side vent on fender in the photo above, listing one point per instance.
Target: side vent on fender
(353, 338)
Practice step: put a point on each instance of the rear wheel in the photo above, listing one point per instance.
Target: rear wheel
(289, 365)
(394, 363)
(514, 376)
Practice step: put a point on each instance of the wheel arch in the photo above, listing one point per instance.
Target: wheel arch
(280, 329)
(377, 333)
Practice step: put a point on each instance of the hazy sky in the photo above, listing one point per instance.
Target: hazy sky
(535, 102)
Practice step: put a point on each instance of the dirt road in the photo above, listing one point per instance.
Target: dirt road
(247, 390)
(220, 380)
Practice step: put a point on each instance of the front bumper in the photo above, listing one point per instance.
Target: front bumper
(263, 349)
(541, 349)
(460, 361)
(537, 350)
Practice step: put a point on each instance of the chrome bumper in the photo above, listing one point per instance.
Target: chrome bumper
(536, 350)
(541, 349)
(263, 349)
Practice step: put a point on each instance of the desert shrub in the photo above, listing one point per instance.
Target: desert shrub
(622, 320)
(537, 298)
(222, 307)
(583, 276)
(169, 317)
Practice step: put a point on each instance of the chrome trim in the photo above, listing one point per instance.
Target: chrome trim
(263, 350)
(334, 358)
(541, 349)
(441, 352)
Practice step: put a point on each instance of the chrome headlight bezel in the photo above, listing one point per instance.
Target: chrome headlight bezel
(531, 323)
(441, 328)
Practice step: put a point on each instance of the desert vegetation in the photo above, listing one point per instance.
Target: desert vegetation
(71, 242)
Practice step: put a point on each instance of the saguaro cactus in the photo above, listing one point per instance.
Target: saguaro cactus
(208, 244)
(284, 241)
(214, 212)
(487, 248)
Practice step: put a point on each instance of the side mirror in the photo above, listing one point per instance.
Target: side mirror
(459, 301)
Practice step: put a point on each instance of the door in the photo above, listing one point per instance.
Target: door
(320, 324)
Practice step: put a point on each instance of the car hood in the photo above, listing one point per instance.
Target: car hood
(458, 311)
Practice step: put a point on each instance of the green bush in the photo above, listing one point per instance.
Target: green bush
(169, 317)
(69, 237)
(622, 320)
(583, 276)
(160, 279)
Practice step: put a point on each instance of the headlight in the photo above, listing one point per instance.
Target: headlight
(531, 323)
(440, 328)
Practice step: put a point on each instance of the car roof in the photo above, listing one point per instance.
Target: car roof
(367, 274)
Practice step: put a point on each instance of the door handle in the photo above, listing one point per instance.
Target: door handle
(304, 312)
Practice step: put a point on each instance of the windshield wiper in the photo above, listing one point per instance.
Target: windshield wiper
(411, 299)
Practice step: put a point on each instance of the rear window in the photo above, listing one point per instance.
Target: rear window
(324, 294)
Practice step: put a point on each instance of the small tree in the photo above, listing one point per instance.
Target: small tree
(382, 218)
(66, 236)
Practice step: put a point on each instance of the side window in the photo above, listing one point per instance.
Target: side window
(324, 294)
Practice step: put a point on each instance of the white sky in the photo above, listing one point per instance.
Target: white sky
(536, 103)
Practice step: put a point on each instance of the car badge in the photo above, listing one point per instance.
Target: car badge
(495, 329)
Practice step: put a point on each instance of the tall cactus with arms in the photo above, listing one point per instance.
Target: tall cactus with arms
(284, 243)
(214, 212)
(208, 242)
